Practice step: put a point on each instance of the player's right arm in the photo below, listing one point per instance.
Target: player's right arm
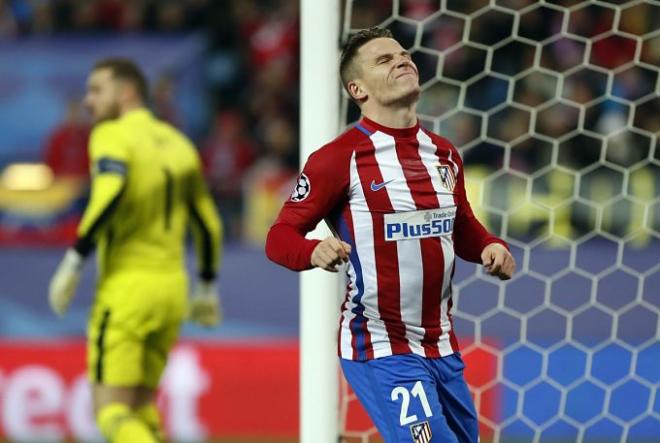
(319, 188)
(109, 168)
(109, 164)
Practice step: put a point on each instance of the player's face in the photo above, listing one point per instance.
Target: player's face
(387, 73)
(102, 98)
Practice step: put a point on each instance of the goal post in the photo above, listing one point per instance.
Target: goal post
(319, 301)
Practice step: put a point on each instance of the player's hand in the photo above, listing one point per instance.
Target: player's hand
(205, 309)
(330, 253)
(498, 261)
(64, 282)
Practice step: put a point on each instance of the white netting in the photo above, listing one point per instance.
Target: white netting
(555, 107)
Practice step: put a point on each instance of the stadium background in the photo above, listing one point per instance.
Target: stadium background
(568, 351)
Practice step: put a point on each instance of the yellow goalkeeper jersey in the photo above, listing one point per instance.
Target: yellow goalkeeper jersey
(147, 188)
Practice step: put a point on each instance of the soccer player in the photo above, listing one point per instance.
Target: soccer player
(394, 194)
(147, 187)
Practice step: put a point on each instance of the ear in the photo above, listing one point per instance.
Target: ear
(127, 92)
(356, 91)
(123, 92)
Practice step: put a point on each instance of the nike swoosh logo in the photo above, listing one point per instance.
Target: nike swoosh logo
(378, 186)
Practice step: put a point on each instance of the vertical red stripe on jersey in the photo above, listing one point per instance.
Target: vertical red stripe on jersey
(433, 262)
(348, 219)
(387, 263)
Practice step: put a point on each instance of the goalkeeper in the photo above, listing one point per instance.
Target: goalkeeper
(146, 188)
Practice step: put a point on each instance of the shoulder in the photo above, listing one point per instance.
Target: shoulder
(173, 134)
(106, 129)
(341, 148)
(109, 138)
(177, 139)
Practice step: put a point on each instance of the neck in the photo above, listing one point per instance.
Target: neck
(128, 107)
(400, 117)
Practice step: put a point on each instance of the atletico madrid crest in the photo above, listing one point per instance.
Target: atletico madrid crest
(421, 432)
(447, 177)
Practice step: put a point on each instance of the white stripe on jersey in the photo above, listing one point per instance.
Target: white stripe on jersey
(428, 153)
(444, 343)
(364, 244)
(345, 343)
(411, 270)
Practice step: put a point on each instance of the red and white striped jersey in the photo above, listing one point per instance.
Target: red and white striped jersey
(398, 197)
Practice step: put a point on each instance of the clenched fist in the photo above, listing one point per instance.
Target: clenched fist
(498, 261)
(330, 253)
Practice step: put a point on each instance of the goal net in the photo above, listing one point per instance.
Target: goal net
(555, 108)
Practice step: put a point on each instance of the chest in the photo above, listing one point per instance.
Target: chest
(401, 176)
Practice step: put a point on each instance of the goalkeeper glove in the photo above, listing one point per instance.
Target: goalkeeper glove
(205, 308)
(64, 282)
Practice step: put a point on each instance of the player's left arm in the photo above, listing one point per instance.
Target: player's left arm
(498, 261)
(109, 164)
(207, 228)
(472, 241)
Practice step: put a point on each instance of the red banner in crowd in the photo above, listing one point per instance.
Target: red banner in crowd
(210, 389)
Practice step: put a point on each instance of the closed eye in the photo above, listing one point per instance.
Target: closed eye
(383, 59)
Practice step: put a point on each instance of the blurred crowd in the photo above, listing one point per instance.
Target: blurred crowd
(533, 90)
(250, 151)
(48, 17)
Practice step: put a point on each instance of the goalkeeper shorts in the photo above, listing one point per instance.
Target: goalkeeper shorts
(134, 323)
